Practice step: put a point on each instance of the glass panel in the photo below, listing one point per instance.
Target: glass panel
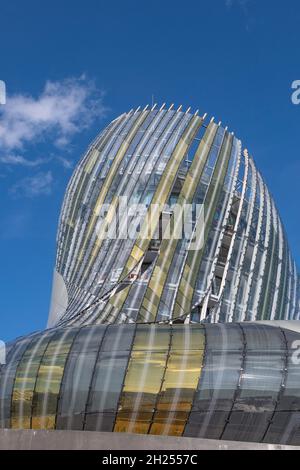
(143, 380)
(89, 339)
(206, 425)
(180, 380)
(188, 337)
(118, 338)
(247, 427)
(144, 376)
(221, 371)
(100, 421)
(263, 337)
(285, 429)
(224, 337)
(107, 382)
(290, 398)
(25, 380)
(152, 338)
(169, 423)
(137, 423)
(261, 382)
(263, 371)
(7, 379)
(219, 381)
(77, 378)
(49, 380)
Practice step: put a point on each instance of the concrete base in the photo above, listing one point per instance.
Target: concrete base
(84, 440)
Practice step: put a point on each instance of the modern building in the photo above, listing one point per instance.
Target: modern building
(165, 331)
(231, 382)
(243, 270)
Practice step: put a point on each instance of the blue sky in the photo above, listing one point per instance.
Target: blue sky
(72, 66)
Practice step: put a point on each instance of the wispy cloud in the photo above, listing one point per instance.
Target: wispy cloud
(29, 124)
(62, 110)
(20, 160)
(66, 163)
(31, 186)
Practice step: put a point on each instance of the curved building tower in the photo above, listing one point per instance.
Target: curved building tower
(234, 264)
(172, 291)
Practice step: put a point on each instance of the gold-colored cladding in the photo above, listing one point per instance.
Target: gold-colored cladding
(160, 198)
(160, 273)
(184, 297)
(161, 380)
(49, 378)
(103, 193)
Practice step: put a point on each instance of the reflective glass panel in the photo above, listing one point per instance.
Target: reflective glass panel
(218, 381)
(284, 429)
(25, 379)
(260, 382)
(49, 378)
(77, 378)
(181, 377)
(206, 425)
(247, 427)
(7, 379)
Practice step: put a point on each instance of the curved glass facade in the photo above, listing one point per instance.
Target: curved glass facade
(156, 334)
(232, 382)
(242, 271)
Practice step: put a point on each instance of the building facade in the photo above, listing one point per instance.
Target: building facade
(164, 332)
(156, 158)
(229, 382)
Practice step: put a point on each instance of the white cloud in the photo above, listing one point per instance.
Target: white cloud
(63, 109)
(66, 163)
(31, 186)
(19, 160)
